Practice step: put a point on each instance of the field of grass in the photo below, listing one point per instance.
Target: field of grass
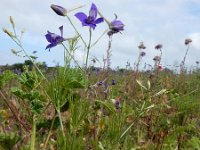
(74, 108)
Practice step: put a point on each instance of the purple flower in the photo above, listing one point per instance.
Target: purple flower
(90, 20)
(59, 10)
(54, 39)
(117, 104)
(113, 82)
(115, 27)
(100, 83)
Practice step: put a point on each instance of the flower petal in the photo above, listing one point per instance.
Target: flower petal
(99, 20)
(92, 26)
(81, 16)
(50, 46)
(117, 25)
(50, 37)
(93, 11)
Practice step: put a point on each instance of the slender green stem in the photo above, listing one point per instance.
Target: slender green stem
(72, 56)
(33, 132)
(76, 30)
(88, 47)
(26, 54)
(65, 63)
(49, 134)
(93, 44)
(61, 124)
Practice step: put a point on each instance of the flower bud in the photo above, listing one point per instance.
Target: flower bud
(59, 10)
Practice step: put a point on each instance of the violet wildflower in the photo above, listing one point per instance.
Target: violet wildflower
(59, 10)
(117, 104)
(113, 82)
(100, 83)
(90, 20)
(115, 27)
(54, 39)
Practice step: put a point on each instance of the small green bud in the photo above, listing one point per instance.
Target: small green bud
(7, 32)
(12, 21)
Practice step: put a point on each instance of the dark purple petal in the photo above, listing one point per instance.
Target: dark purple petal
(81, 16)
(51, 37)
(59, 39)
(51, 45)
(117, 104)
(92, 26)
(59, 10)
(93, 11)
(85, 24)
(117, 25)
(54, 39)
(113, 82)
(99, 20)
(100, 83)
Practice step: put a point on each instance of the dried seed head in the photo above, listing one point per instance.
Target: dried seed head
(188, 41)
(159, 46)
(156, 58)
(141, 46)
(142, 54)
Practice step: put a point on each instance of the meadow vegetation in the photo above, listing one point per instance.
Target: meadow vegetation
(85, 107)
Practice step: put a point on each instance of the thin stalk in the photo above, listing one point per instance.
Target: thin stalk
(88, 47)
(76, 30)
(33, 133)
(13, 112)
(49, 134)
(137, 65)
(183, 62)
(65, 63)
(20, 45)
(61, 124)
(160, 56)
(72, 57)
(93, 44)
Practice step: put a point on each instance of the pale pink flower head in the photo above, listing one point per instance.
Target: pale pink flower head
(160, 68)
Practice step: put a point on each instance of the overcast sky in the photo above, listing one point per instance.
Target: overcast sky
(166, 22)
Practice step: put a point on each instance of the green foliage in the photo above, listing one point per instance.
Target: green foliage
(62, 86)
(5, 77)
(8, 141)
(29, 83)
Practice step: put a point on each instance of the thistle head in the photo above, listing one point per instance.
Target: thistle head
(141, 46)
(188, 41)
(159, 46)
